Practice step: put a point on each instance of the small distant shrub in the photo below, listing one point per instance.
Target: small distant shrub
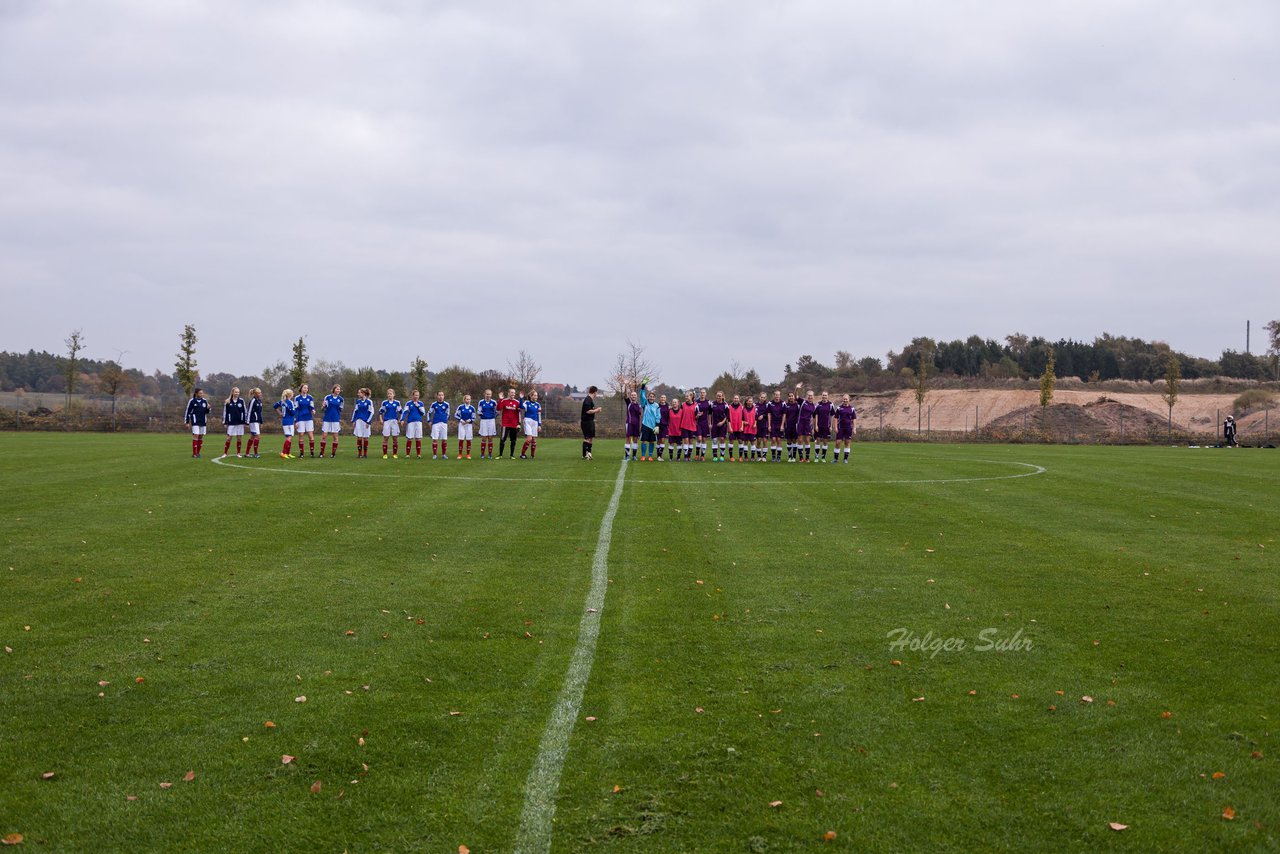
(1253, 400)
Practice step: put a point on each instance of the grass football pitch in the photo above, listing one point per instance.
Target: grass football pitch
(351, 655)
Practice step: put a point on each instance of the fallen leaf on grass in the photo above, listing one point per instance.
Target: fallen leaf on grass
(775, 804)
(1218, 775)
(1060, 693)
(698, 710)
(1086, 699)
(1115, 825)
(896, 663)
(286, 759)
(102, 683)
(12, 839)
(1015, 696)
(140, 679)
(189, 776)
(454, 714)
(301, 699)
(1257, 754)
(8, 649)
(315, 787)
(47, 775)
(917, 699)
(1166, 715)
(617, 789)
(270, 724)
(973, 693)
(130, 797)
(350, 632)
(462, 849)
(829, 836)
(591, 718)
(166, 785)
(1229, 813)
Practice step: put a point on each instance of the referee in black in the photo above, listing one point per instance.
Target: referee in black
(589, 410)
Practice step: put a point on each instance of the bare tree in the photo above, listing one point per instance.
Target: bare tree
(524, 371)
(630, 368)
(75, 343)
(112, 379)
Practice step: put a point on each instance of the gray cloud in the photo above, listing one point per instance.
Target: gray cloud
(719, 181)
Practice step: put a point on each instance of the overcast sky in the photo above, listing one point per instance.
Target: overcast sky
(715, 181)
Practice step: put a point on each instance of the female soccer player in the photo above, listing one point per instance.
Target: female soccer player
(804, 426)
(532, 421)
(675, 420)
(304, 418)
(466, 415)
(704, 424)
(390, 415)
(664, 418)
(488, 423)
(762, 427)
(822, 426)
(412, 415)
(846, 427)
(509, 412)
(234, 413)
(650, 418)
(331, 424)
(288, 419)
(255, 423)
(719, 417)
(197, 415)
(790, 421)
(750, 424)
(777, 425)
(735, 428)
(688, 425)
(362, 423)
(440, 426)
(631, 432)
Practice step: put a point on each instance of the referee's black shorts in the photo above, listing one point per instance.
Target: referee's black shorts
(588, 429)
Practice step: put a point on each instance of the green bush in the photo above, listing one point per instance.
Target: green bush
(1253, 400)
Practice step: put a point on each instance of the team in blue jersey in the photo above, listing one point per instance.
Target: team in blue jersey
(331, 422)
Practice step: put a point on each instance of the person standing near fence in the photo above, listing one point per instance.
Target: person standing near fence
(197, 416)
(1229, 432)
(589, 413)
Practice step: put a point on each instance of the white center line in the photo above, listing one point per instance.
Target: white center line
(543, 784)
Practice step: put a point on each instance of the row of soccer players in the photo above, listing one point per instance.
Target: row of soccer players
(297, 418)
(802, 426)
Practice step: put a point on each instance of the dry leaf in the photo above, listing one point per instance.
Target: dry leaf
(698, 710)
(775, 804)
(1115, 825)
(462, 849)
(8, 649)
(12, 839)
(350, 632)
(917, 699)
(896, 663)
(1166, 715)
(47, 775)
(1218, 775)
(617, 789)
(140, 680)
(1229, 813)
(1257, 754)
(189, 776)
(973, 693)
(454, 714)
(130, 797)
(286, 759)
(102, 683)
(315, 787)
(1086, 699)
(1060, 693)
(301, 699)
(1053, 708)
(1016, 696)
(270, 724)
(166, 785)
(829, 836)
(591, 718)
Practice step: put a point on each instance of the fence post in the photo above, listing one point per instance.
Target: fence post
(1217, 423)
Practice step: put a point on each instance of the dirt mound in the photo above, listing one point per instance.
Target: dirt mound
(1099, 421)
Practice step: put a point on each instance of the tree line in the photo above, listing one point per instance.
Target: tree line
(1018, 356)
